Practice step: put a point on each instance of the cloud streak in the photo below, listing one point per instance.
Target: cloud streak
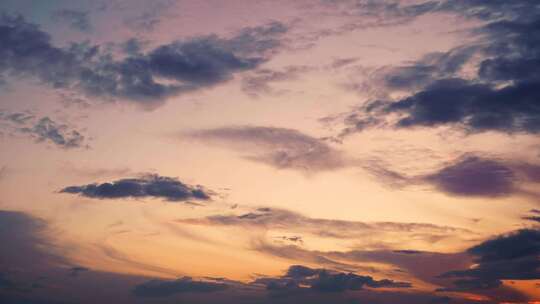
(281, 148)
(284, 220)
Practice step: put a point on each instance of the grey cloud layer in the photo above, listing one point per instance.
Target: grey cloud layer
(187, 65)
(148, 186)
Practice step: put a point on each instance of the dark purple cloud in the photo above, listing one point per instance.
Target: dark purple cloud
(147, 186)
(323, 280)
(501, 97)
(76, 19)
(513, 256)
(474, 176)
(468, 176)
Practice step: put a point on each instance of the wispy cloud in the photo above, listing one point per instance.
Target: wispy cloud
(278, 147)
(284, 220)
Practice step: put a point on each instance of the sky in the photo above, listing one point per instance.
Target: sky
(310, 151)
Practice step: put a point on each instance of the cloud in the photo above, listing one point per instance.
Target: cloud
(43, 129)
(164, 288)
(406, 263)
(474, 176)
(535, 216)
(3, 172)
(280, 219)
(401, 262)
(500, 96)
(76, 270)
(45, 281)
(258, 82)
(76, 19)
(151, 17)
(29, 245)
(146, 79)
(59, 134)
(150, 185)
(338, 63)
(513, 256)
(468, 176)
(381, 13)
(278, 147)
(322, 280)
(418, 74)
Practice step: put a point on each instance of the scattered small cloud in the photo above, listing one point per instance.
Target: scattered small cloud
(43, 129)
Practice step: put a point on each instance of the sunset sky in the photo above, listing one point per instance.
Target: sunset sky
(318, 151)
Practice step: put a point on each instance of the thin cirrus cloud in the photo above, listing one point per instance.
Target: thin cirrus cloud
(147, 186)
(500, 97)
(281, 148)
(187, 65)
(281, 219)
(42, 130)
